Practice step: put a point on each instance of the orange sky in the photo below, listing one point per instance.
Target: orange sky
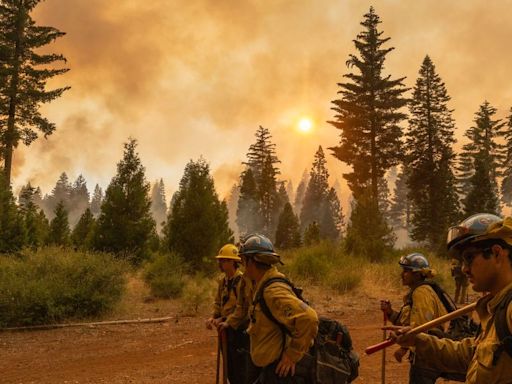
(196, 77)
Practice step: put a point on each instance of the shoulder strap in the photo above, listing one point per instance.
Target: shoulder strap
(447, 301)
(502, 330)
(260, 299)
(234, 284)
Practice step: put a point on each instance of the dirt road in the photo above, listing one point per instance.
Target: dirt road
(180, 351)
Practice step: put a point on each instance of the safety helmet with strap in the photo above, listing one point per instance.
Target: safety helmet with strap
(415, 262)
(260, 249)
(476, 228)
(229, 252)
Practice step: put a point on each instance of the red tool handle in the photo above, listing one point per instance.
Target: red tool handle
(378, 347)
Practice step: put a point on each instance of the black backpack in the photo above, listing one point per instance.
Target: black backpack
(331, 360)
(502, 330)
(459, 328)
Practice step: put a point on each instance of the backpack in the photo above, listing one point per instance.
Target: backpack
(459, 328)
(334, 361)
(502, 330)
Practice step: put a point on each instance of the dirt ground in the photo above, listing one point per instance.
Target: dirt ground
(179, 351)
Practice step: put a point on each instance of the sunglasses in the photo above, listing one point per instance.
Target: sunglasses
(469, 255)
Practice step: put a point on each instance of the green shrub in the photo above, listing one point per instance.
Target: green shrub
(164, 275)
(344, 281)
(54, 284)
(197, 293)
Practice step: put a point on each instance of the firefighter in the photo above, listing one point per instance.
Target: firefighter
(230, 287)
(278, 345)
(421, 304)
(483, 243)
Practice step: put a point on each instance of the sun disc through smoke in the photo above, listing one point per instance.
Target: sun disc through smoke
(305, 125)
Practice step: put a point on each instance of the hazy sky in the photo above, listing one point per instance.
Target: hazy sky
(196, 77)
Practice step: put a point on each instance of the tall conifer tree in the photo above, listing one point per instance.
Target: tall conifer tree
(25, 72)
(368, 114)
(197, 226)
(430, 159)
(59, 227)
(125, 226)
(316, 206)
(288, 230)
(158, 204)
(481, 162)
(96, 201)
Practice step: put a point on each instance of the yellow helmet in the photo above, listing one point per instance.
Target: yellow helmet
(229, 251)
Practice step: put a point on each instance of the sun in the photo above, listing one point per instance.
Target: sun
(305, 125)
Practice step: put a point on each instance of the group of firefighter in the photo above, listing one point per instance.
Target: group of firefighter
(269, 329)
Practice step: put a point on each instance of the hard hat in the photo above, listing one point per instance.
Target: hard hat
(230, 252)
(479, 227)
(259, 248)
(415, 262)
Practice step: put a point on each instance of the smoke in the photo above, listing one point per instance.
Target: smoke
(191, 78)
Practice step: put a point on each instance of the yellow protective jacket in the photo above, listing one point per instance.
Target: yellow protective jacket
(426, 306)
(470, 355)
(266, 336)
(226, 296)
(240, 315)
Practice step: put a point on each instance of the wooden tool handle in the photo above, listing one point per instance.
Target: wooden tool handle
(424, 327)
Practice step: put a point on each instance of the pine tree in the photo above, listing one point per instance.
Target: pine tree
(60, 193)
(12, 229)
(262, 162)
(288, 231)
(96, 201)
(301, 191)
(83, 233)
(368, 234)
(289, 190)
(248, 216)
(506, 184)
(269, 199)
(259, 152)
(336, 212)
(368, 116)
(312, 234)
(481, 162)
(232, 205)
(158, 204)
(125, 226)
(430, 159)
(316, 205)
(197, 226)
(368, 113)
(400, 210)
(59, 227)
(78, 200)
(25, 72)
(35, 225)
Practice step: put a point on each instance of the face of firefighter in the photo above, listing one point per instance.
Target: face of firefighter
(483, 272)
(227, 266)
(409, 278)
(249, 267)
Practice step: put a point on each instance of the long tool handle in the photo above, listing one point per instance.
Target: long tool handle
(424, 327)
(219, 341)
(384, 337)
(224, 339)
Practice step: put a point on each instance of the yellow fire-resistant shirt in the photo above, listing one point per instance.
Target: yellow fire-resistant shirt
(226, 297)
(266, 336)
(426, 306)
(240, 315)
(473, 356)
